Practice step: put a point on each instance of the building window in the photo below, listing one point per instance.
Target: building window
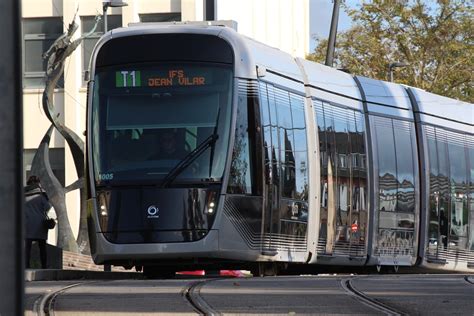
(160, 17)
(38, 35)
(88, 22)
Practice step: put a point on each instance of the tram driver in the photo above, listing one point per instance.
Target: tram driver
(169, 146)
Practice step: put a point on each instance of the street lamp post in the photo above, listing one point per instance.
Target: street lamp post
(332, 34)
(395, 65)
(113, 4)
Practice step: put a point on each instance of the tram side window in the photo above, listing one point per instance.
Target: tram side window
(342, 147)
(267, 132)
(386, 164)
(287, 155)
(450, 181)
(442, 179)
(458, 186)
(437, 221)
(357, 163)
(240, 181)
(470, 144)
(300, 147)
(319, 109)
(396, 152)
(284, 134)
(404, 143)
(394, 160)
(270, 134)
(340, 160)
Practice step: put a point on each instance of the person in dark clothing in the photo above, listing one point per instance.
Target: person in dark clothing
(169, 147)
(36, 209)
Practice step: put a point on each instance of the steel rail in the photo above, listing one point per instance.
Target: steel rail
(469, 279)
(193, 296)
(44, 305)
(368, 301)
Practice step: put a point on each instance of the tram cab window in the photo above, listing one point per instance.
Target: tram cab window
(146, 119)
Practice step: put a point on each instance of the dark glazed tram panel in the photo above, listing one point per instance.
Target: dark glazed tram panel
(160, 134)
(150, 215)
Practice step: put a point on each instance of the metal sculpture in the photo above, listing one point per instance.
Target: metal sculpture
(56, 55)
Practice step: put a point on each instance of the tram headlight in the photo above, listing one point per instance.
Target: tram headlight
(103, 210)
(211, 197)
(103, 205)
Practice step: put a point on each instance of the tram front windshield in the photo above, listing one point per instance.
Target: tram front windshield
(148, 118)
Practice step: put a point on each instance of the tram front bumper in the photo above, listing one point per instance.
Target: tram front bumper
(107, 252)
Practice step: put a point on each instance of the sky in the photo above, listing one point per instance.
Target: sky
(320, 20)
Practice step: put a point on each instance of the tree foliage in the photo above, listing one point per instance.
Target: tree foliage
(436, 40)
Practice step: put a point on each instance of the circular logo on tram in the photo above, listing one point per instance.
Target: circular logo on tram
(153, 211)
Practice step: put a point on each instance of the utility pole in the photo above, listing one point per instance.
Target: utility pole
(11, 162)
(332, 34)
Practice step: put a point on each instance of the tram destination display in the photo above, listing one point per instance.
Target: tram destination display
(163, 77)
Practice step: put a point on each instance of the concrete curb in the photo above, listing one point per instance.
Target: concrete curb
(56, 275)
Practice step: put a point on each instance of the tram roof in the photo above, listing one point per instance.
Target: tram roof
(248, 52)
(330, 79)
(381, 96)
(440, 110)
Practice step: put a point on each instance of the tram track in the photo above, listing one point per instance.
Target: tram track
(469, 279)
(369, 301)
(193, 296)
(44, 305)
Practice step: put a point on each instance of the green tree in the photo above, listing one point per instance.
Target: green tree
(436, 40)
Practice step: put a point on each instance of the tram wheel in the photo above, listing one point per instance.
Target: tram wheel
(387, 269)
(265, 269)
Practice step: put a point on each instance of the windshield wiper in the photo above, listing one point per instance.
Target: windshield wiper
(189, 158)
(211, 158)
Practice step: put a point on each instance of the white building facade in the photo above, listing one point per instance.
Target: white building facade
(283, 24)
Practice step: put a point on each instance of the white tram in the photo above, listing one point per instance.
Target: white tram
(206, 148)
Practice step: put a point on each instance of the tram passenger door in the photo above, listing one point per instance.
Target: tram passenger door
(271, 201)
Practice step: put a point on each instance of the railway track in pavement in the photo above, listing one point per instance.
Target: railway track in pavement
(348, 286)
(192, 294)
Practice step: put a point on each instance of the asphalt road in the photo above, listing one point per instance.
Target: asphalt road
(308, 295)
